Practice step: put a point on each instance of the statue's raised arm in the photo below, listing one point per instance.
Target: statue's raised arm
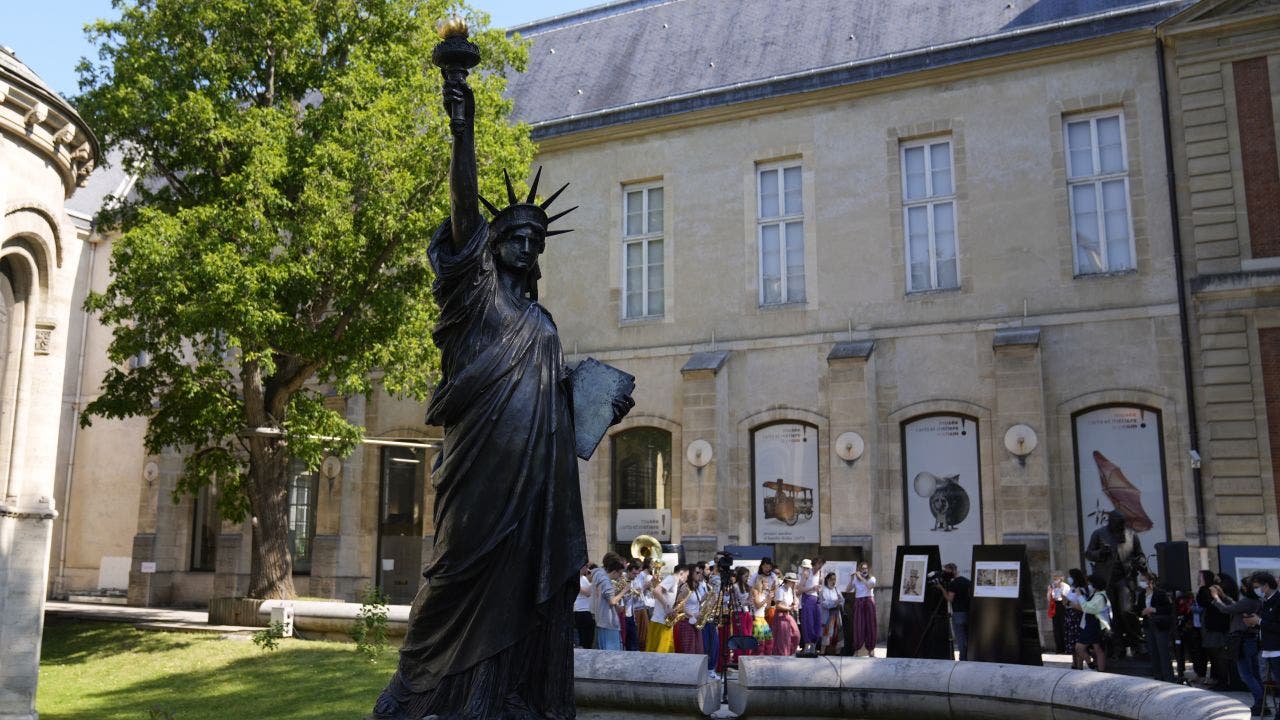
(455, 57)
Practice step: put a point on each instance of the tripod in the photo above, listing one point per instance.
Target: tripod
(939, 611)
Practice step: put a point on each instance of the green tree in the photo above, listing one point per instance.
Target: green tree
(295, 160)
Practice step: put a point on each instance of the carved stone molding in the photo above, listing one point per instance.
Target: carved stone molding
(44, 337)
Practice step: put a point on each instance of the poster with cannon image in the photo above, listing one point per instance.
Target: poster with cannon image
(996, 579)
(1120, 467)
(785, 472)
(942, 487)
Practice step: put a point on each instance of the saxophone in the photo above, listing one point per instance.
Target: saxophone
(709, 612)
(678, 613)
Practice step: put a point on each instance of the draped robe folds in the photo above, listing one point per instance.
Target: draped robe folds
(490, 631)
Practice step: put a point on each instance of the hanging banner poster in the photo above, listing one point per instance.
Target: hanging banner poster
(941, 486)
(1120, 467)
(785, 472)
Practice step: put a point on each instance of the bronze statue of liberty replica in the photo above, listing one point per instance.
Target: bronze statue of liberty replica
(490, 634)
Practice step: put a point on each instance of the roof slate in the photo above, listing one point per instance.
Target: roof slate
(644, 51)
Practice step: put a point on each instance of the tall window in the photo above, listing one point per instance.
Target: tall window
(205, 524)
(303, 488)
(1098, 187)
(642, 469)
(642, 260)
(781, 229)
(929, 216)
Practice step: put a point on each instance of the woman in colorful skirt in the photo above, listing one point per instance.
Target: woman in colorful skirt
(740, 614)
(760, 601)
(831, 600)
(862, 635)
(786, 632)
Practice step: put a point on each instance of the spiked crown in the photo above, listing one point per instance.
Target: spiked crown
(519, 213)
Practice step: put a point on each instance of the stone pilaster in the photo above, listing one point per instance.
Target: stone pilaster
(848, 505)
(708, 495)
(24, 567)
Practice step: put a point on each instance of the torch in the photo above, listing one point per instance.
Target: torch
(455, 56)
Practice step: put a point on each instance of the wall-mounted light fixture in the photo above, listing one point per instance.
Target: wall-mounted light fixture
(1020, 440)
(699, 453)
(850, 446)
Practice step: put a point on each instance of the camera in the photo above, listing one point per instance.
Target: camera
(936, 577)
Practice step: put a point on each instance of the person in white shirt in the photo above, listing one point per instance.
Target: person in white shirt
(863, 634)
(786, 634)
(831, 600)
(583, 621)
(688, 636)
(761, 601)
(629, 602)
(641, 602)
(667, 596)
(810, 612)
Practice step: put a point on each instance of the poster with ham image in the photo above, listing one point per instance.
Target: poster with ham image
(1120, 466)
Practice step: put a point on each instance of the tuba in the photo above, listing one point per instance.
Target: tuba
(647, 546)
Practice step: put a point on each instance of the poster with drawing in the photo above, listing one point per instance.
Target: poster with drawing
(942, 487)
(915, 571)
(1120, 467)
(997, 579)
(785, 469)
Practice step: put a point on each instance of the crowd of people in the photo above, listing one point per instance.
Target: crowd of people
(696, 608)
(1229, 633)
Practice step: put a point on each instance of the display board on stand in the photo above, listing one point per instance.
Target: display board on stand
(1003, 626)
(918, 622)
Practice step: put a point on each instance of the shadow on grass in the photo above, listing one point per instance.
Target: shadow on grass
(293, 683)
(70, 642)
(300, 681)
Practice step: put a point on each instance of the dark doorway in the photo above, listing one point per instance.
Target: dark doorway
(400, 522)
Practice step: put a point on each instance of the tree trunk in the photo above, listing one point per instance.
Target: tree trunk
(271, 569)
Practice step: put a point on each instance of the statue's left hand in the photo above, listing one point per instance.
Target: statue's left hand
(621, 406)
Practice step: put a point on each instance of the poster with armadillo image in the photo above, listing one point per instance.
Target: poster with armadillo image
(1120, 467)
(942, 486)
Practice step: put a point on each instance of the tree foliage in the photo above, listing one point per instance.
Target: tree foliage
(294, 156)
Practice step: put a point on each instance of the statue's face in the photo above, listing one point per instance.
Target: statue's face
(1115, 523)
(519, 248)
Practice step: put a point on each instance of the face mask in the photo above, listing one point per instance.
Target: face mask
(1143, 584)
(1257, 591)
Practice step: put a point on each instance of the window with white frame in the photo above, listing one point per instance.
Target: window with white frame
(929, 215)
(642, 251)
(780, 221)
(1098, 192)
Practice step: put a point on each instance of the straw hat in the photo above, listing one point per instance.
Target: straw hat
(789, 577)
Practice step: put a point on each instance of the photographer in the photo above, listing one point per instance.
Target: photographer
(958, 591)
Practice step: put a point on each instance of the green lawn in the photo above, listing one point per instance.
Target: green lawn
(109, 671)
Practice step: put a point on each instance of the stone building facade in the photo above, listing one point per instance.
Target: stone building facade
(46, 151)
(1222, 63)
(869, 263)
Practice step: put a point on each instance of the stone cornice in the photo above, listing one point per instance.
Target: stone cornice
(46, 123)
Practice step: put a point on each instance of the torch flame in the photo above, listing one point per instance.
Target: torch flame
(453, 27)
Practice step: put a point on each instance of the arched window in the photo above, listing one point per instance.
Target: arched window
(205, 524)
(641, 482)
(303, 489)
